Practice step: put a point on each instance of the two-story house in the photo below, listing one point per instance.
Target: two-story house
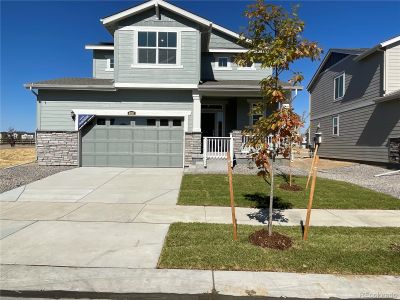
(167, 81)
(355, 103)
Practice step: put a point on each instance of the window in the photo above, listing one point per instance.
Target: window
(248, 66)
(164, 122)
(177, 123)
(255, 117)
(110, 63)
(339, 86)
(151, 122)
(157, 48)
(335, 125)
(120, 121)
(101, 121)
(222, 62)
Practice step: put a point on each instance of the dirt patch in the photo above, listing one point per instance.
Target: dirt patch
(293, 188)
(16, 156)
(324, 164)
(275, 241)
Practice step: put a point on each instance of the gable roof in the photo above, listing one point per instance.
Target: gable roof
(379, 46)
(168, 6)
(347, 51)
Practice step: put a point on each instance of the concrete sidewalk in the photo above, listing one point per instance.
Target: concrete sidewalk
(99, 232)
(166, 214)
(43, 281)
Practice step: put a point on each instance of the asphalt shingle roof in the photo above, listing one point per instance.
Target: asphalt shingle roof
(237, 84)
(72, 82)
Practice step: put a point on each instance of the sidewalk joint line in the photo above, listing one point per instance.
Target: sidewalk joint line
(82, 205)
(33, 222)
(20, 193)
(107, 181)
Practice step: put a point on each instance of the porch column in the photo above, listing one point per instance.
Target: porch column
(196, 111)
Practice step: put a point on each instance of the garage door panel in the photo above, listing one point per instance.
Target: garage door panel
(176, 161)
(145, 160)
(150, 135)
(99, 133)
(119, 147)
(176, 135)
(101, 160)
(143, 142)
(120, 160)
(176, 148)
(88, 147)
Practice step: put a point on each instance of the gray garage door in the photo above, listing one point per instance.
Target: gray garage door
(133, 142)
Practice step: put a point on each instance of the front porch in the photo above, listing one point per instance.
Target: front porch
(222, 120)
(221, 110)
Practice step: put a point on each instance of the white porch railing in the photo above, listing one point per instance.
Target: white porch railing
(217, 148)
(246, 149)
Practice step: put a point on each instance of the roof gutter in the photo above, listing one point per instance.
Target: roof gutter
(70, 87)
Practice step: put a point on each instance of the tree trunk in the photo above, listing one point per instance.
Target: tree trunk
(271, 199)
(290, 163)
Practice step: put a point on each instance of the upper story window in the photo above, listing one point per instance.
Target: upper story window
(157, 48)
(339, 86)
(335, 125)
(110, 63)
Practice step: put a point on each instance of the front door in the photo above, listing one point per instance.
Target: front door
(208, 124)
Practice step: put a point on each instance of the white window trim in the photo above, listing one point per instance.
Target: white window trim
(108, 68)
(252, 68)
(333, 127)
(334, 86)
(228, 65)
(138, 65)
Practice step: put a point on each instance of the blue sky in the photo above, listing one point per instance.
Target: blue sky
(45, 39)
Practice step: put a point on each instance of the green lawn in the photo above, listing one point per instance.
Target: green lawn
(335, 250)
(252, 191)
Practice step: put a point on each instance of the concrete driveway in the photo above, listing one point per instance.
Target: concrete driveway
(86, 217)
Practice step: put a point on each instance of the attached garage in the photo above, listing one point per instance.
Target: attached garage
(133, 142)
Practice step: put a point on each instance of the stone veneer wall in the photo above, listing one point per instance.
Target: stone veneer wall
(237, 143)
(57, 148)
(192, 146)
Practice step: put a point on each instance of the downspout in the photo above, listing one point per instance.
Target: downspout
(384, 72)
(38, 116)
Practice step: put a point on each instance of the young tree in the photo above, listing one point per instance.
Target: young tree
(273, 38)
(11, 136)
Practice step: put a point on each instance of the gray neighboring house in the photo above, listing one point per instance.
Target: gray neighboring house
(164, 85)
(355, 99)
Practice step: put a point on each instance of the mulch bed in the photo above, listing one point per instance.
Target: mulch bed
(275, 241)
(293, 187)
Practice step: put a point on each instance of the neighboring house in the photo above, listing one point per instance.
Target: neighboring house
(355, 99)
(20, 137)
(166, 81)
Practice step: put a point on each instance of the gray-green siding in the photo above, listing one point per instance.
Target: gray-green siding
(363, 84)
(363, 132)
(54, 109)
(124, 43)
(209, 72)
(125, 72)
(100, 64)
(364, 127)
(221, 40)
